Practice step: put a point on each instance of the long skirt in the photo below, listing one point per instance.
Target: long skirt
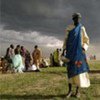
(81, 80)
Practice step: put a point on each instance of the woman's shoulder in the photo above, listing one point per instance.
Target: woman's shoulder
(70, 27)
(83, 27)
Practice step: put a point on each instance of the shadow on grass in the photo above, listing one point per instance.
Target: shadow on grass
(95, 81)
(48, 72)
(57, 73)
(30, 97)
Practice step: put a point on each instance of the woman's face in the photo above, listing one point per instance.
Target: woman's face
(76, 20)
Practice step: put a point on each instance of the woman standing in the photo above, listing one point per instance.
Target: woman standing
(75, 44)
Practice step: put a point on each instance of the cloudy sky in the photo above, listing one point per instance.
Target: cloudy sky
(42, 22)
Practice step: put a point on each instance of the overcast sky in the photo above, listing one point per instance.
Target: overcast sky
(43, 22)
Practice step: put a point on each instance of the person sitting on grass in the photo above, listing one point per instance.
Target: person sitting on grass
(44, 63)
(18, 65)
(4, 65)
(56, 57)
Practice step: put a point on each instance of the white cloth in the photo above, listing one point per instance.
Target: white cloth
(81, 80)
(32, 68)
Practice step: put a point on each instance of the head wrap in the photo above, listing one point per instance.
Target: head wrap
(76, 15)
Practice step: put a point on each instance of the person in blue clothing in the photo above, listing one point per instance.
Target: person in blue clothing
(76, 43)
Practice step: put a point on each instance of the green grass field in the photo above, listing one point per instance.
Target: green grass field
(49, 84)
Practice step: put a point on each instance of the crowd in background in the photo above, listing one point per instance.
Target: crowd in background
(92, 57)
(19, 59)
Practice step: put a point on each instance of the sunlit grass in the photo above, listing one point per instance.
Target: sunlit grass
(49, 84)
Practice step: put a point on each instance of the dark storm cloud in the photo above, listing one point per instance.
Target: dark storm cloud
(49, 16)
(43, 22)
(30, 15)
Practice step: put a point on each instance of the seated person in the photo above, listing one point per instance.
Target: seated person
(44, 63)
(3, 65)
(18, 65)
(28, 60)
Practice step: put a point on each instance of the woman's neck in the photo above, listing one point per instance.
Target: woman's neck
(76, 23)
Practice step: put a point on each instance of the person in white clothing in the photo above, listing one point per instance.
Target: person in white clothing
(18, 65)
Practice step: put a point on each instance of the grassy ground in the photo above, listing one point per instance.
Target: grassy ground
(94, 64)
(49, 84)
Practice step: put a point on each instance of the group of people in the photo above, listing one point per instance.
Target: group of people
(19, 59)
